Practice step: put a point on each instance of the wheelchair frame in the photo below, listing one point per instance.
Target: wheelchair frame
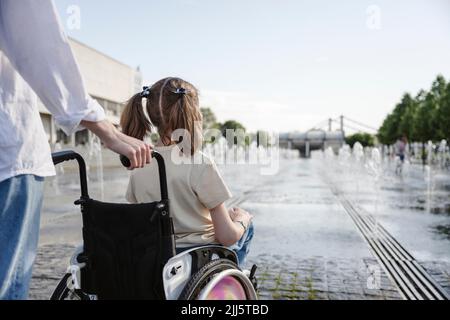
(189, 275)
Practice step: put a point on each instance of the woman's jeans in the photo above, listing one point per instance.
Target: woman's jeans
(20, 207)
(242, 247)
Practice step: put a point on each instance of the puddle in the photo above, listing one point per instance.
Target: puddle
(443, 231)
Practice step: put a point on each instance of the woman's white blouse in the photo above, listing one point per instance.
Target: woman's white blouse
(36, 61)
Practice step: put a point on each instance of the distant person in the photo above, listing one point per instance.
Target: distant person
(400, 152)
(36, 59)
(197, 191)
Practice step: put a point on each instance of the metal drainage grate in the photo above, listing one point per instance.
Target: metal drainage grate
(413, 282)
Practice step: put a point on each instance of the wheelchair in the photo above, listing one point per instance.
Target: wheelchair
(129, 253)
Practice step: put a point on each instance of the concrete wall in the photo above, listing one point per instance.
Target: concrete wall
(104, 76)
(107, 80)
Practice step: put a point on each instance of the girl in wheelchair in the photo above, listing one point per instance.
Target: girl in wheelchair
(176, 239)
(196, 189)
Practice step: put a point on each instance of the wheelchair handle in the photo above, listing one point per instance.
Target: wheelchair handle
(60, 157)
(63, 156)
(162, 172)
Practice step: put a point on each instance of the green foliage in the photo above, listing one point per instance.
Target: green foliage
(240, 137)
(443, 115)
(210, 122)
(422, 118)
(263, 138)
(426, 117)
(231, 125)
(367, 140)
(209, 119)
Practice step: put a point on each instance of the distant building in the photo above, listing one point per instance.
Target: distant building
(107, 80)
(305, 142)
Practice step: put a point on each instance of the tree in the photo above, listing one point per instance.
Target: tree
(263, 138)
(238, 130)
(423, 118)
(386, 132)
(406, 126)
(231, 125)
(442, 118)
(393, 125)
(438, 88)
(209, 118)
(366, 139)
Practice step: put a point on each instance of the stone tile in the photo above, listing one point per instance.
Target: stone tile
(309, 279)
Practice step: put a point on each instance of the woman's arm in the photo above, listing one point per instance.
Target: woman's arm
(138, 152)
(35, 44)
(229, 231)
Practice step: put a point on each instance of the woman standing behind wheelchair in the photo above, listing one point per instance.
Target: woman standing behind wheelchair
(196, 188)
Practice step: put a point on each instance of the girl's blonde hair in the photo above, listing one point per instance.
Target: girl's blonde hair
(172, 104)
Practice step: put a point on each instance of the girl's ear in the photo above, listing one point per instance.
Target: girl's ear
(134, 122)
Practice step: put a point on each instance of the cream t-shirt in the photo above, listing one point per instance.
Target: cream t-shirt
(194, 185)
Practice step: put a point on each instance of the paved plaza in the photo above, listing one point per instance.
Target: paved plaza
(306, 245)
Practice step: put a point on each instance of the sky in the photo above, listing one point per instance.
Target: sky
(277, 65)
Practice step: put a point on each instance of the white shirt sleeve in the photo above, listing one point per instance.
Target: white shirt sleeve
(35, 44)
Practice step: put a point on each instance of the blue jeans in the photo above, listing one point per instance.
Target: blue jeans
(242, 247)
(20, 207)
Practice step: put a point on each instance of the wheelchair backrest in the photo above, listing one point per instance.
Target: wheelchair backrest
(125, 248)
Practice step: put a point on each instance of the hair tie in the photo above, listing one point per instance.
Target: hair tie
(146, 92)
(180, 91)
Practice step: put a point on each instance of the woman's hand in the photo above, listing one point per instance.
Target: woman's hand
(136, 150)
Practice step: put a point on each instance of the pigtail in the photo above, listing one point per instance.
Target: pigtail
(186, 116)
(173, 108)
(134, 122)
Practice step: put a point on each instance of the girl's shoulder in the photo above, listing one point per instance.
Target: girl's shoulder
(174, 154)
(201, 157)
(203, 162)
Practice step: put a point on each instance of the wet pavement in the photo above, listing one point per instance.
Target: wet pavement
(412, 206)
(309, 247)
(306, 245)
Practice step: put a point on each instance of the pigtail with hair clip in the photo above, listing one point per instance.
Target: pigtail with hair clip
(181, 92)
(185, 143)
(134, 122)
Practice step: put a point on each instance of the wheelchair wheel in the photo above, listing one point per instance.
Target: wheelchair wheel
(229, 287)
(64, 292)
